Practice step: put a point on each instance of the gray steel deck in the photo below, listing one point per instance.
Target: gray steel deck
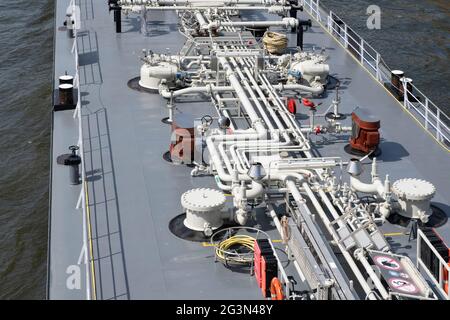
(133, 193)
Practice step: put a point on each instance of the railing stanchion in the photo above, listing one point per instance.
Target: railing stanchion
(345, 36)
(405, 93)
(317, 11)
(438, 125)
(378, 68)
(329, 22)
(362, 51)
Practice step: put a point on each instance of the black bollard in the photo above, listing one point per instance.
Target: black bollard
(66, 79)
(74, 161)
(65, 94)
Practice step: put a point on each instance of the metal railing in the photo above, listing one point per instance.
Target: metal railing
(441, 281)
(82, 200)
(416, 103)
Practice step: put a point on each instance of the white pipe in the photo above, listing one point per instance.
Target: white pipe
(369, 269)
(139, 8)
(195, 2)
(376, 186)
(256, 190)
(166, 93)
(235, 83)
(201, 20)
(261, 94)
(286, 22)
(255, 100)
(298, 197)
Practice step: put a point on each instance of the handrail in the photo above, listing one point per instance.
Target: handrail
(417, 104)
(443, 265)
(90, 272)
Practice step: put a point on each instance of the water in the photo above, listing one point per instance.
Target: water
(26, 54)
(414, 37)
(26, 51)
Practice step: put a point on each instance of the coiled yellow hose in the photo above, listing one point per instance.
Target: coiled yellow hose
(275, 42)
(225, 246)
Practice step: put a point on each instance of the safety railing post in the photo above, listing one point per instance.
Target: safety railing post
(438, 125)
(329, 23)
(362, 51)
(378, 67)
(418, 251)
(345, 37)
(405, 93)
(317, 11)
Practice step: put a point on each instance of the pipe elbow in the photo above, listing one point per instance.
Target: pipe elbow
(376, 187)
(255, 191)
(164, 91)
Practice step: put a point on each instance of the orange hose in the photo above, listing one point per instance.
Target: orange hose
(445, 276)
(276, 289)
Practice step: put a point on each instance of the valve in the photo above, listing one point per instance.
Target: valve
(308, 103)
(73, 161)
(206, 122)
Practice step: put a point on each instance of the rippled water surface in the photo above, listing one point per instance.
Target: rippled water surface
(414, 37)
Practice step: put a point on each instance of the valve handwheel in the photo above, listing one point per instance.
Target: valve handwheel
(207, 120)
(74, 149)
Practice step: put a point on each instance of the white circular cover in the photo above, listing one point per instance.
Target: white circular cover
(65, 86)
(203, 199)
(414, 189)
(66, 77)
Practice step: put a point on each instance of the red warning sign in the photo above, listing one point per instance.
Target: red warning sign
(386, 262)
(403, 285)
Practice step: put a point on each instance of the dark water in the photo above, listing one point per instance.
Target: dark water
(26, 45)
(414, 37)
(420, 28)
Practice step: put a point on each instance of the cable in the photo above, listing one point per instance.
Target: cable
(229, 249)
(275, 42)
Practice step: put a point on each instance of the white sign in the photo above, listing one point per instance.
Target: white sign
(403, 285)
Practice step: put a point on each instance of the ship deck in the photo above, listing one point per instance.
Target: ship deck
(133, 193)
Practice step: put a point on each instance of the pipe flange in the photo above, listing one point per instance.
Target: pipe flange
(414, 189)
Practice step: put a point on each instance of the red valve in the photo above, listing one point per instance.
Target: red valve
(308, 103)
(292, 106)
(317, 130)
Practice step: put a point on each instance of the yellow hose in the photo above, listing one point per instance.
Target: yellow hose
(238, 240)
(275, 42)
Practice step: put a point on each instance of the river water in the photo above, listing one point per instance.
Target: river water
(414, 36)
